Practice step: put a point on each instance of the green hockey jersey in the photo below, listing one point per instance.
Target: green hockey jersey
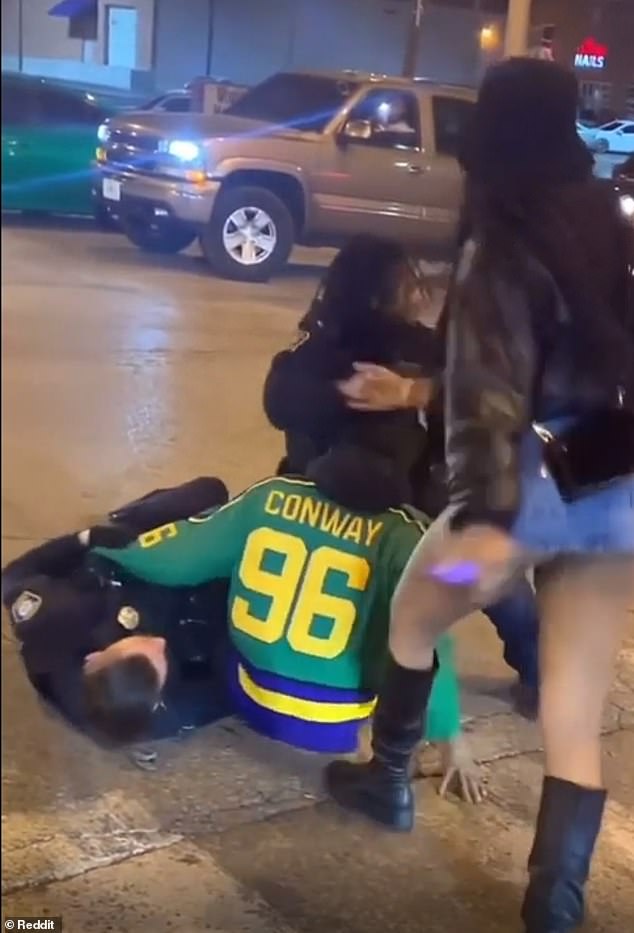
(310, 592)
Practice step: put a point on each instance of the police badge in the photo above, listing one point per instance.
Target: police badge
(128, 617)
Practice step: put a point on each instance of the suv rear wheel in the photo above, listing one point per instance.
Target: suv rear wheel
(164, 236)
(250, 235)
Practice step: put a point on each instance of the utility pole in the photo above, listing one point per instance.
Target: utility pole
(20, 36)
(517, 25)
(414, 34)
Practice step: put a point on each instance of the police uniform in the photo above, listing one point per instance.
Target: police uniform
(65, 602)
(311, 585)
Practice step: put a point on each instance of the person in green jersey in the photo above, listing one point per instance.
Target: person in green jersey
(311, 582)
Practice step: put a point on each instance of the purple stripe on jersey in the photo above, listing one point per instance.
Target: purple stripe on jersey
(332, 738)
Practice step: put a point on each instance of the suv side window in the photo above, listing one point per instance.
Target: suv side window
(394, 117)
(55, 107)
(452, 121)
(176, 104)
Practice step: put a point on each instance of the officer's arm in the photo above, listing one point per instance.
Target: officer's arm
(186, 553)
(55, 558)
(300, 394)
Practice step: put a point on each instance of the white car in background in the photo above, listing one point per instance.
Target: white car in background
(586, 133)
(617, 136)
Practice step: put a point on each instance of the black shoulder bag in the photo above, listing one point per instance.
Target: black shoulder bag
(598, 449)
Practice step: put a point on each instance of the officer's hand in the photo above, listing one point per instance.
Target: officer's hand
(460, 772)
(111, 536)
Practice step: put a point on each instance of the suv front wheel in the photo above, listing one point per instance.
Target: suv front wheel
(249, 236)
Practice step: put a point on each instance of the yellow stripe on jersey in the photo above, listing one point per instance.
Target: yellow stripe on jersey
(309, 710)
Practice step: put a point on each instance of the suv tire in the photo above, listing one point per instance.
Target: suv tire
(103, 218)
(166, 237)
(250, 235)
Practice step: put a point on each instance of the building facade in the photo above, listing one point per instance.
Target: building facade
(596, 38)
(164, 43)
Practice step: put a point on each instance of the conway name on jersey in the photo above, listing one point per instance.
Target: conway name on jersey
(311, 585)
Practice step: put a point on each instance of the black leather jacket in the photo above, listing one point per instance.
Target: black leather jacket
(509, 362)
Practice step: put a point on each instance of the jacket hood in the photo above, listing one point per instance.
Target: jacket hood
(360, 480)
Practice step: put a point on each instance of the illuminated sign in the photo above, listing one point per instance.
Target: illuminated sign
(591, 54)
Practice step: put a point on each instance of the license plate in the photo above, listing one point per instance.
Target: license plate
(111, 189)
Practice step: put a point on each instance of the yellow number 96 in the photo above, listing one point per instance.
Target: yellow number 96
(300, 581)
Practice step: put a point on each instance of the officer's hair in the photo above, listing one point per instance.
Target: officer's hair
(361, 284)
(121, 697)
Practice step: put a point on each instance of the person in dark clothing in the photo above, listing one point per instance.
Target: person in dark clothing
(539, 385)
(368, 307)
(82, 624)
(363, 331)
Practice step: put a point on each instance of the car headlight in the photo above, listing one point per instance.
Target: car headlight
(184, 149)
(627, 205)
(103, 133)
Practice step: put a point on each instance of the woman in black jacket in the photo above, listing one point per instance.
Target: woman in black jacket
(367, 308)
(540, 447)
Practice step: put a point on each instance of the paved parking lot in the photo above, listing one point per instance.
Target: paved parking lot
(122, 372)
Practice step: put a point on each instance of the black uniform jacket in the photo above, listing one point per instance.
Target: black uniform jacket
(301, 397)
(64, 602)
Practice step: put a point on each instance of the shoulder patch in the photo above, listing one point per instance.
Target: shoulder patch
(25, 606)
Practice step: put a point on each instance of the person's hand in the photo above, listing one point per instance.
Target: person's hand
(460, 772)
(375, 388)
(479, 556)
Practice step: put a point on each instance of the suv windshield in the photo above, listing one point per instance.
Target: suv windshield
(306, 102)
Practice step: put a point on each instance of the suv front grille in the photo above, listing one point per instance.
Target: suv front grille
(131, 150)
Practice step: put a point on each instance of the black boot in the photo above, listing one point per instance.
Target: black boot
(381, 788)
(567, 828)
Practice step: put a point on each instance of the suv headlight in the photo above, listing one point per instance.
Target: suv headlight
(103, 133)
(627, 205)
(184, 149)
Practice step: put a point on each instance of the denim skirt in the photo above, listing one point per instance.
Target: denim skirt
(600, 523)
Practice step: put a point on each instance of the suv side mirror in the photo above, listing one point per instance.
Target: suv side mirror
(357, 129)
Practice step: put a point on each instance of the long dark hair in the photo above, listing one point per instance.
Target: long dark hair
(577, 232)
(530, 189)
(358, 290)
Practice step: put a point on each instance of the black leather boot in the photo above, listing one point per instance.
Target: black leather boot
(567, 828)
(381, 789)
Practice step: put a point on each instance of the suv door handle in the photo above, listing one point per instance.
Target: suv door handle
(413, 169)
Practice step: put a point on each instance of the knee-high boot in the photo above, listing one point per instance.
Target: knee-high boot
(567, 828)
(381, 789)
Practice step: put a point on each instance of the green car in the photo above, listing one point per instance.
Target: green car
(49, 136)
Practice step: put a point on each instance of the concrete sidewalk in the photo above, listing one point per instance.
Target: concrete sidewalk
(231, 834)
(124, 372)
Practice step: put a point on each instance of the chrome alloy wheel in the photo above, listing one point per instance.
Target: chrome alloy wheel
(249, 236)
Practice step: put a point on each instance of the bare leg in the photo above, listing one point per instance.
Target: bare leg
(584, 606)
(424, 608)
(583, 609)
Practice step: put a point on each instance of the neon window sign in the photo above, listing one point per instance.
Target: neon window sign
(591, 54)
